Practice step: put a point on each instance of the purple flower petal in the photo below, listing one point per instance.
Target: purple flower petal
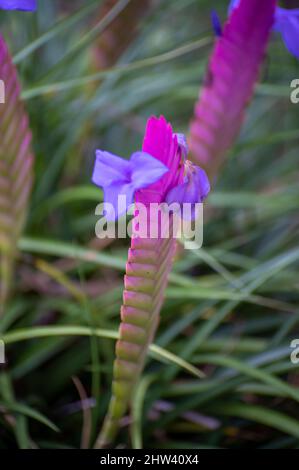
(146, 169)
(25, 5)
(182, 141)
(110, 169)
(194, 190)
(216, 23)
(112, 200)
(233, 4)
(287, 24)
(202, 182)
(119, 177)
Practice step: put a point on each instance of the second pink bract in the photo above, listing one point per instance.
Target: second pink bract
(232, 74)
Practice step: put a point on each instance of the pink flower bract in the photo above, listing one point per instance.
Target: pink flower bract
(232, 73)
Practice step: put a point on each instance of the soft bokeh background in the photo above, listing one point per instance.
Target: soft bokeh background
(231, 308)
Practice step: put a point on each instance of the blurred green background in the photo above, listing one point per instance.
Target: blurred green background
(231, 308)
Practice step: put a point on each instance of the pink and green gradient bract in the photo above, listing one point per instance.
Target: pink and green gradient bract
(149, 264)
(232, 74)
(16, 162)
(153, 176)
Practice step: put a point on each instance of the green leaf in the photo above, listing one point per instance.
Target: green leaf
(245, 368)
(72, 330)
(259, 414)
(30, 413)
(57, 29)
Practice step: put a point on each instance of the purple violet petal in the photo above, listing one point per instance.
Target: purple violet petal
(24, 5)
(182, 141)
(146, 169)
(178, 194)
(110, 169)
(194, 190)
(202, 182)
(111, 197)
(287, 24)
(216, 23)
(119, 177)
(233, 4)
(185, 193)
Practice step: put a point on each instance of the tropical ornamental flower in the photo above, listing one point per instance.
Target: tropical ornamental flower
(124, 178)
(25, 5)
(231, 77)
(158, 173)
